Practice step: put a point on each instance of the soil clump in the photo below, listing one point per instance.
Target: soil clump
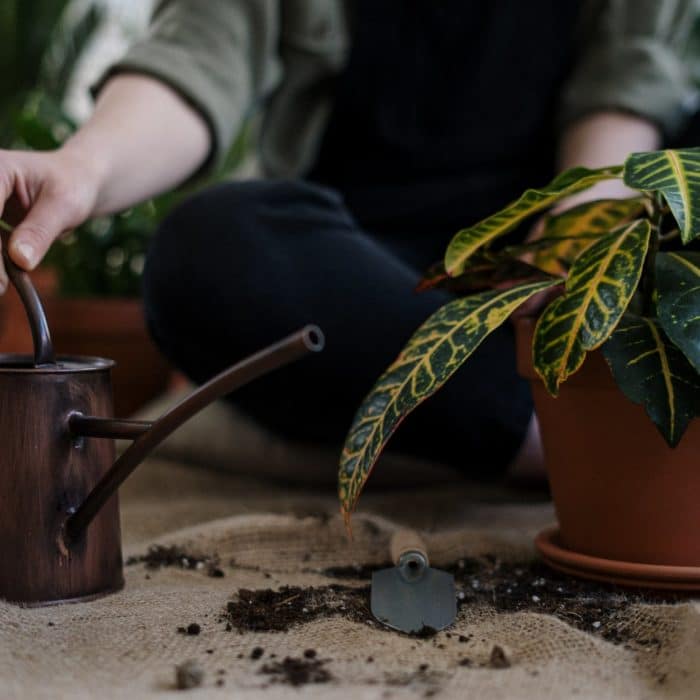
(159, 556)
(188, 674)
(295, 672)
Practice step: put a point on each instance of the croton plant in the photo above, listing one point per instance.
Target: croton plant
(628, 273)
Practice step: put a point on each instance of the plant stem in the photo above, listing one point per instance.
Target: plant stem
(5, 226)
(648, 285)
(546, 241)
(670, 235)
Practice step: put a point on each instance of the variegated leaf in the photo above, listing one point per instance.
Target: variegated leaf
(431, 356)
(676, 174)
(678, 303)
(652, 372)
(468, 240)
(598, 290)
(578, 227)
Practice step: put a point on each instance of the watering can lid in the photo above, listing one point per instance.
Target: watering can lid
(66, 364)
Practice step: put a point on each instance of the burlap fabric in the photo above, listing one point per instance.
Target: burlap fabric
(127, 645)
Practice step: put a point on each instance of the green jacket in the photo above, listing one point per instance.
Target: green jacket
(230, 58)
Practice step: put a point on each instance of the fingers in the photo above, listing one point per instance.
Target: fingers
(5, 192)
(47, 195)
(3, 274)
(47, 219)
(6, 187)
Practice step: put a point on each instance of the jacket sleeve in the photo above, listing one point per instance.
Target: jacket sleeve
(219, 55)
(636, 56)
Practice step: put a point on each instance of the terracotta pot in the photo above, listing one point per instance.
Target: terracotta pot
(15, 335)
(619, 491)
(113, 328)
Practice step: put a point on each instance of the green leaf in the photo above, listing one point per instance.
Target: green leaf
(676, 174)
(652, 372)
(578, 227)
(468, 240)
(678, 303)
(598, 290)
(431, 356)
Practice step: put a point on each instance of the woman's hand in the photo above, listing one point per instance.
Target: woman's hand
(596, 141)
(46, 194)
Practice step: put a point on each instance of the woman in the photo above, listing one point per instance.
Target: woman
(385, 127)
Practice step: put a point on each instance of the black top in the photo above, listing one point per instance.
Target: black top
(445, 110)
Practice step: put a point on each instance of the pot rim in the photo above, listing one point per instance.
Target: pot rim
(14, 363)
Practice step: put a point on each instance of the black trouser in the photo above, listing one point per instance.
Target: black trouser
(243, 264)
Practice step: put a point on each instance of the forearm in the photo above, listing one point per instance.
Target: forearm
(602, 139)
(141, 140)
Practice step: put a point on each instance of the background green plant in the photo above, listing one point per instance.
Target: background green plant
(26, 29)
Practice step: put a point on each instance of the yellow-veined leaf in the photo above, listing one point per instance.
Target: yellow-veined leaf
(678, 286)
(431, 356)
(578, 227)
(598, 290)
(676, 174)
(653, 372)
(469, 240)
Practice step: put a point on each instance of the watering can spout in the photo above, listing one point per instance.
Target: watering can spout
(147, 436)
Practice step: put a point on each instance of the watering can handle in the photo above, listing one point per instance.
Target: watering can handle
(43, 347)
(149, 436)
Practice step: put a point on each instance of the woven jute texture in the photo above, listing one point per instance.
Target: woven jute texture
(127, 645)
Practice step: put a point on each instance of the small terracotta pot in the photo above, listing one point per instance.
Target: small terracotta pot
(620, 492)
(15, 336)
(113, 328)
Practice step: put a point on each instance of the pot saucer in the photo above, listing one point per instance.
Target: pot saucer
(622, 573)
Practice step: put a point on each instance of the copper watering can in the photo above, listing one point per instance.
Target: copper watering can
(60, 536)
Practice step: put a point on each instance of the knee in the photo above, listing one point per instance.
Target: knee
(201, 233)
(172, 262)
(232, 226)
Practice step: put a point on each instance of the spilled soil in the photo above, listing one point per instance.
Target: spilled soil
(158, 557)
(505, 586)
(596, 608)
(603, 610)
(277, 611)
